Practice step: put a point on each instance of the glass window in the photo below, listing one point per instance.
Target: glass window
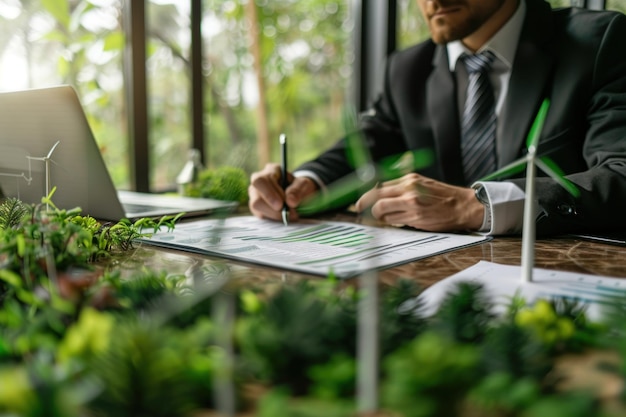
(618, 5)
(168, 68)
(272, 67)
(560, 3)
(282, 66)
(76, 43)
(412, 28)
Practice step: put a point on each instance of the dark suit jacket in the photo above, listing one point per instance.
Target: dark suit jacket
(575, 57)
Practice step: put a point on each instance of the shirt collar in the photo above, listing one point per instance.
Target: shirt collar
(503, 44)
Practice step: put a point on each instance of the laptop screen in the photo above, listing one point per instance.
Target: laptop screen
(45, 142)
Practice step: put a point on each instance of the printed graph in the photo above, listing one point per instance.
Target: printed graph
(314, 247)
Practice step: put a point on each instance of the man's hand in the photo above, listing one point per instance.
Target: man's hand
(423, 203)
(267, 196)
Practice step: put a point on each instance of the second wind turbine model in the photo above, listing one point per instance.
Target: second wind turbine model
(532, 161)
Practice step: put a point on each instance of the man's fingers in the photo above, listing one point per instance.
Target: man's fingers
(298, 190)
(264, 185)
(258, 205)
(364, 202)
(382, 190)
(387, 206)
(267, 197)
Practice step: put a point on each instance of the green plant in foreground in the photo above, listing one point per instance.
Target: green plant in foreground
(295, 342)
(296, 331)
(154, 346)
(37, 242)
(427, 370)
(12, 211)
(145, 372)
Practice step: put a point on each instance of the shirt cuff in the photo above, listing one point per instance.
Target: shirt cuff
(312, 175)
(506, 203)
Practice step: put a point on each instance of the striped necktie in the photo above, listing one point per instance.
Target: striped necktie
(478, 128)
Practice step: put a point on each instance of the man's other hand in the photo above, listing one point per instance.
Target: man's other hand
(423, 203)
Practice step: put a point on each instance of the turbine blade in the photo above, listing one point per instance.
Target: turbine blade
(506, 171)
(53, 148)
(338, 194)
(396, 166)
(537, 126)
(356, 145)
(548, 166)
(348, 189)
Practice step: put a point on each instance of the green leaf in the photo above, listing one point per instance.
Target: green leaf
(56, 35)
(12, 211)
(59, 9)
(10, 278)
(28, 297)
(20, 242)
(114, 42)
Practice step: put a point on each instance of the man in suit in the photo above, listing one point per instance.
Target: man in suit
(574, 57)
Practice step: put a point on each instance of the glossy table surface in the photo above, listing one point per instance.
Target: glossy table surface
(565, 254)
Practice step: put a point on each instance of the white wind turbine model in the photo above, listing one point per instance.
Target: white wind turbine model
(546, 165)
(47, 160)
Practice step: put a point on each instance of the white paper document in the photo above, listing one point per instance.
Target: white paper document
(309, 246)
(502, 282)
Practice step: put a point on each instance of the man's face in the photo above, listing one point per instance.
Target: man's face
(451, 20)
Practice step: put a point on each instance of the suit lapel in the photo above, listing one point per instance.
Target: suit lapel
(532, 71)
(443, 113)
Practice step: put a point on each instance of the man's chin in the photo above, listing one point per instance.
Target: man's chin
(443, 32)
(443, 36)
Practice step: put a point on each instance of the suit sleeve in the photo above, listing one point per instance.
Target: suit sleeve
(602, 201)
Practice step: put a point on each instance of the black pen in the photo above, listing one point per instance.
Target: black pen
(283, 174)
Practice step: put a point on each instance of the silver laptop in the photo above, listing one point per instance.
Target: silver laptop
(46, 141)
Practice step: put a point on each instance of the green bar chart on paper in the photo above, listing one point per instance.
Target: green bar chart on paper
(309, 246)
